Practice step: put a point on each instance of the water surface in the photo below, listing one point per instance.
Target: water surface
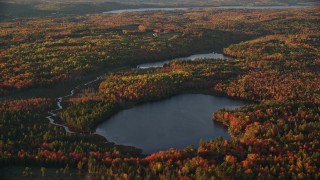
(143, 9)
(193, 57)
(260, 7)
(176, 122)
(209, 7)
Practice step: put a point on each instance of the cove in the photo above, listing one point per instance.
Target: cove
(176, 122)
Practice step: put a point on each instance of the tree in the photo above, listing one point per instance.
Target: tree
(142, 28)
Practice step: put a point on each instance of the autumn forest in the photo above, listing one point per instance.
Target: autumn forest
(61, 76)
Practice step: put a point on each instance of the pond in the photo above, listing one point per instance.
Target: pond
(176, 122)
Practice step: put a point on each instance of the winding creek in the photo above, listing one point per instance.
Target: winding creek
(53, 113)
(59, 100)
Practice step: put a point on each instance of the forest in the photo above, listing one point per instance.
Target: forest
(274, 65)
(15, 9)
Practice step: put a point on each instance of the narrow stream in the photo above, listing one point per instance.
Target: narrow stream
(59, 100)
(175, 122)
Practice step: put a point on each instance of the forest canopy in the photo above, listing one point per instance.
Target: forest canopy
(63, 75)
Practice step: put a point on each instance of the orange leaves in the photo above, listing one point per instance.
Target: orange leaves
(51, 155)
(24, 104)
(230, 158)
(246, 163)
(252, 157)
(280, 69)
(275, 48)
(265, 132)
(248, 171)
(138, 87)
(142, 28)
(172, 154)
(272, 85)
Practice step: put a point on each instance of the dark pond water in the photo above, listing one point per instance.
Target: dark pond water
(193, 57)
(176, 122)
(224, 7)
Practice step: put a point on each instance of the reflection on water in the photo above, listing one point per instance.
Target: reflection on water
(175, 122)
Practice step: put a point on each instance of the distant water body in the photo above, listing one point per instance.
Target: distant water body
(187, 8)
(191, 58)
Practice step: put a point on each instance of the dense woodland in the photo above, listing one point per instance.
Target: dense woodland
(42, 52)
(276, 67)
(126, 89)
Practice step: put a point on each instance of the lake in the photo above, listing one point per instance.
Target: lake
(186, 8)
(192, 57)
(176, 122)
